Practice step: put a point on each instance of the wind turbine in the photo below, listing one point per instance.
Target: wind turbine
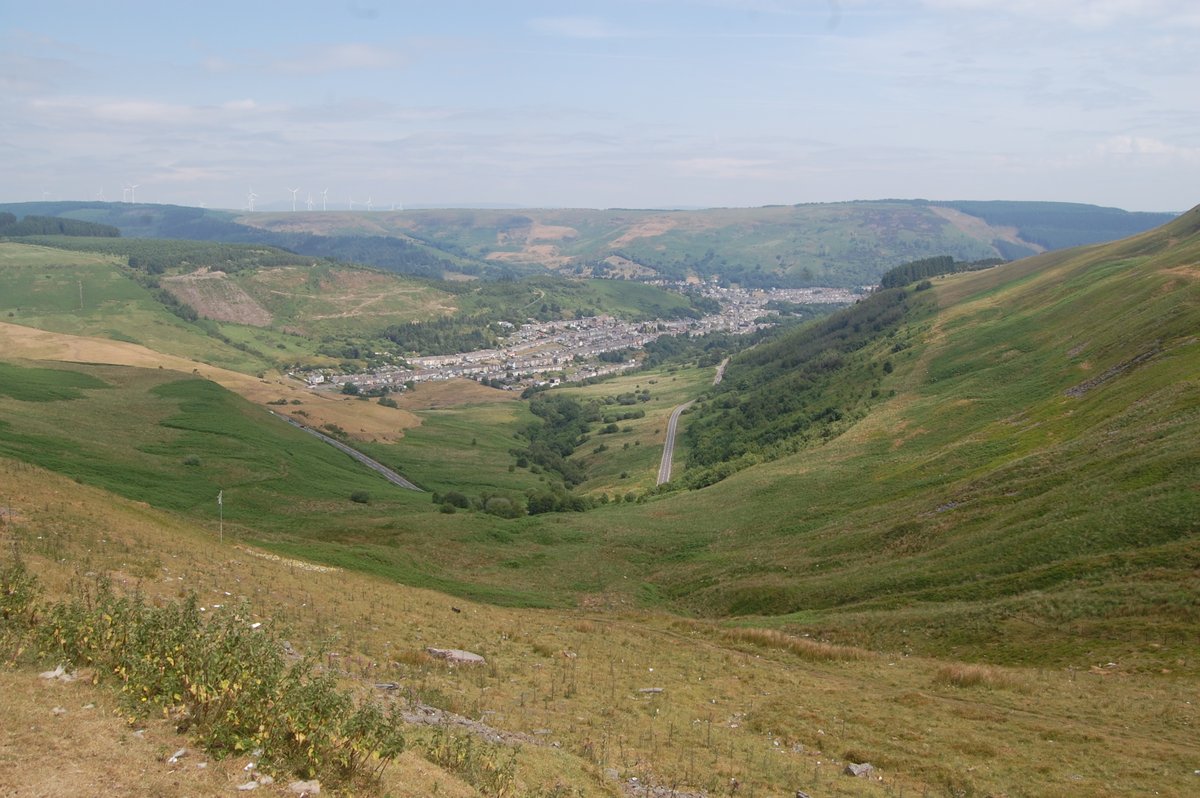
(352, 203)
(133, 193)
(124, 193)
(100, 194)
(310, 202)
(250, 198)
(368, 202)
(293, 190)
(324, 197)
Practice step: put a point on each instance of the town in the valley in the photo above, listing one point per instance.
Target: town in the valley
(539, 353)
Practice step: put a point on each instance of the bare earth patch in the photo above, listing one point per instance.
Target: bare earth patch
(979, 229)
(654, 226)
(534, 247)
(451, 393)
(546, 255)
(64, 739)
(215, 296)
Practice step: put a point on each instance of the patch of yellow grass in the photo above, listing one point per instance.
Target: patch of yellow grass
(802, 647)
(674, 702)
(367, 420)
(960, 674)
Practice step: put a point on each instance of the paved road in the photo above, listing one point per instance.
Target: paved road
(664, 468)
(387, 473)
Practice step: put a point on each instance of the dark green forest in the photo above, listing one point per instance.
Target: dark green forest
(52, 226)
(799, 388)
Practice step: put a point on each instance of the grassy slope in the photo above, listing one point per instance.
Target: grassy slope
(983, 503)
(41, 287)
(777, 714)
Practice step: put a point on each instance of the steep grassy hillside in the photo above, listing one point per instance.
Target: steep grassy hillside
(1028, 493)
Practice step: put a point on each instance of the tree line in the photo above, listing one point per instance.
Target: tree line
(802, 386)
(936, 266)
(53, 226)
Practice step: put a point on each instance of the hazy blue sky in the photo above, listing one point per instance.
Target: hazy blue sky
(632, 103)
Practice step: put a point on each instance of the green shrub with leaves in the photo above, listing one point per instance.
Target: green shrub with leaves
(18, 607)
(488, 767)
(219, 676)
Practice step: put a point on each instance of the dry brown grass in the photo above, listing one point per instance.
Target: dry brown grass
(965, 675)
(86, 749)
(451, 393)
(777, 713)
(365, 420)
(802, 647)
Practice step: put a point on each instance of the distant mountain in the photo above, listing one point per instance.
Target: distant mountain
(837, 244)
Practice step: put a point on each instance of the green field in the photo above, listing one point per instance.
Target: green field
(632, 455)
(175, 441)
(466, 448)
(89, 294)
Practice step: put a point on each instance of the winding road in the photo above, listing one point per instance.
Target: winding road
(664, 468)
(387, 473)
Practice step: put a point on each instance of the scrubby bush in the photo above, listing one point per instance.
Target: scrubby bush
(218, 675)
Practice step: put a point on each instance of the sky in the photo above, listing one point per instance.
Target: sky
(622, 103)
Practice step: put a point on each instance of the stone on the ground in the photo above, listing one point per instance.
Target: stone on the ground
(250, 785)
(456, 655)
(303, 788)
(178, 755)
(59, 673)
(862, 771)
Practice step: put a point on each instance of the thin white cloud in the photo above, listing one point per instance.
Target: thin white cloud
(337, 57)
(1147, 146)
(1084, 13)
(724, 168)
(577, 27)
(116, 110)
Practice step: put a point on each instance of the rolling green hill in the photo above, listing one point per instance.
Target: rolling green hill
(834, 244)
(838, 244)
